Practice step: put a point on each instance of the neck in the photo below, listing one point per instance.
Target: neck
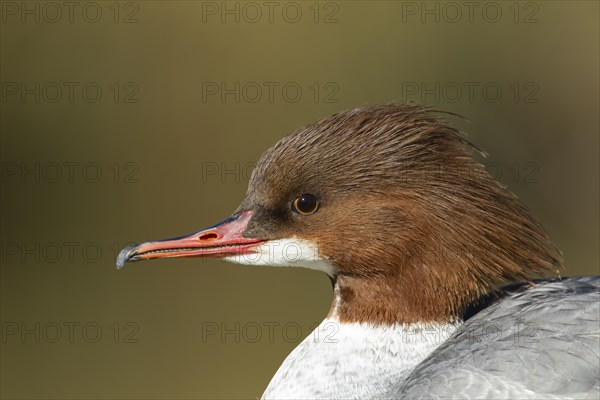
(380, 300)
(373, 356)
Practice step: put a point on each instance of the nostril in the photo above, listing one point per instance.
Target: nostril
(209, 236)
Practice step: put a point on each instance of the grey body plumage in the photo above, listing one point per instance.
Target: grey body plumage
(534, 342)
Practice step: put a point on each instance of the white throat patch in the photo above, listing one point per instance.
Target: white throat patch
(290, 252)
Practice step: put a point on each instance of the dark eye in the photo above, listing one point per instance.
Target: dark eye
(305, 204)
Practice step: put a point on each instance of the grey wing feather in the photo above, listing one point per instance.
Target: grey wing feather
(536, 342)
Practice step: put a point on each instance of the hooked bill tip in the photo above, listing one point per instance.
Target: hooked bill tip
(125, 255)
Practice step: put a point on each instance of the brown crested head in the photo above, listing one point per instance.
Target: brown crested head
(414, 228)
(390, 203)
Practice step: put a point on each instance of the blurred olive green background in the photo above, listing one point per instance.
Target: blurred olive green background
(174, 150)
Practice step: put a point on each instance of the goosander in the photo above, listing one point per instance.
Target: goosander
(418, 241)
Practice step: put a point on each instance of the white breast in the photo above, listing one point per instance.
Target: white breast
(354, 360)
